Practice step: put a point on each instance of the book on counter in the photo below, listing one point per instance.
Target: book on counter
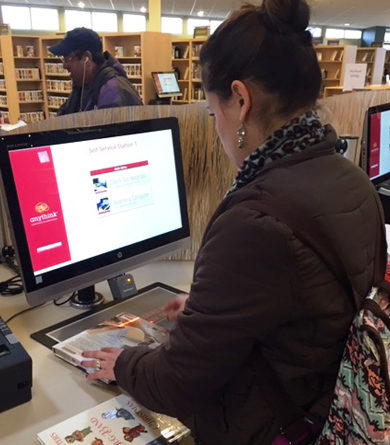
(121, 331)
(118, 421)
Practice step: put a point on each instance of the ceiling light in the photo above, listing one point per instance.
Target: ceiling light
(200, 13)
(81, 4)
(347, 24)
(143, 9)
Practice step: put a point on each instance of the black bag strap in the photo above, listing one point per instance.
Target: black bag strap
(296, 424)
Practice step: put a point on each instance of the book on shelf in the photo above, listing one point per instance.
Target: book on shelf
(335, 56)
(119, 420)
(196, 47)
(195, 71)
(185, 75)
(364, 57)
(186, 52)
(121, 331)
(197, 93)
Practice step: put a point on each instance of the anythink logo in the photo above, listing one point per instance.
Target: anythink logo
(44, 215)
(42, 207)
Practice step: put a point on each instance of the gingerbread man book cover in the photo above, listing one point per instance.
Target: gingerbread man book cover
(118, 421)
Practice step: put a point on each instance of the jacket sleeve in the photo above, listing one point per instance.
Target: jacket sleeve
(242, 290)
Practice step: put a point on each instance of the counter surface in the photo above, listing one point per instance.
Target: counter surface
(59, 389)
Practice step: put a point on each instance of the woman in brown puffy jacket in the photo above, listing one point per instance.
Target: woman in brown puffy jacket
(266, 317)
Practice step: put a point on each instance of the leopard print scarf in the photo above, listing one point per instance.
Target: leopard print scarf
(301, 132)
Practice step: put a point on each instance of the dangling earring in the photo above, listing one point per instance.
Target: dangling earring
(241, 133)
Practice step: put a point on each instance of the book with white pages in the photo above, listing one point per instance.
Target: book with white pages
(123, 330)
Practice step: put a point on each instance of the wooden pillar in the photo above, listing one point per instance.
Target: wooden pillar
(154, 16)
(184, 29)
(61, 19)
(120, 21)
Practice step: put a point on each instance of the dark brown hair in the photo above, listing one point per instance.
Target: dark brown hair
(268, 45)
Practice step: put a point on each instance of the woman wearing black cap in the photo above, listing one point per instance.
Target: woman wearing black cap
(99, 81)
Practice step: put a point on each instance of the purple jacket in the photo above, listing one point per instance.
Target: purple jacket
(110, 88)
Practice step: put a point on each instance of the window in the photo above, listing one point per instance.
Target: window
(172, 25)
(334, 33)
(45, 19)
(193, 23)
(353, 34)
(22, 17)
(387, 37)
(134, 23)
(17, 17)
(104, 22)
(315, 31)
(76, 18)
(214, 25)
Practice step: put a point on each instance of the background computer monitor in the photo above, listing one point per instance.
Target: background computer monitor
(165, 84)
(375, 156)
(91, 203)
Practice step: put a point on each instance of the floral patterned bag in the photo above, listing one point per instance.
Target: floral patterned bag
(360, 409)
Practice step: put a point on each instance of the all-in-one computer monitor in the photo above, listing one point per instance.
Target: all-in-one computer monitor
(375, 156)
(88, 204)
(165, 84)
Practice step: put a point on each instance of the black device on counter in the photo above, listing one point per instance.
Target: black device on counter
(15, 370)
(122, 287)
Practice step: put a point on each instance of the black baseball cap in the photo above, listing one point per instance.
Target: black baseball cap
(79, 39)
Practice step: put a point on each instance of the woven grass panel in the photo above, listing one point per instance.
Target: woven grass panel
(346, 111)
(207, 171)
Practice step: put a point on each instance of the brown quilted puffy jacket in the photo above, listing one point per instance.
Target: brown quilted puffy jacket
(260, 297)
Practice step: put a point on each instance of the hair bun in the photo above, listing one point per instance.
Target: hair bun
(293, 14)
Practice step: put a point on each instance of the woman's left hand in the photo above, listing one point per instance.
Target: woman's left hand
(103, 361)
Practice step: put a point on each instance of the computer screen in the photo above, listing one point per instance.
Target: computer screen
(376, 143)
(166, 84)
(88, 204)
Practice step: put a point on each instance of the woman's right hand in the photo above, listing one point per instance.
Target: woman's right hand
(175, 307)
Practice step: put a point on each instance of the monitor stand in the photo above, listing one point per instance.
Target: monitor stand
(86, 298)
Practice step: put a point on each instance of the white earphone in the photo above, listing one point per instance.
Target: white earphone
(82, 86)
